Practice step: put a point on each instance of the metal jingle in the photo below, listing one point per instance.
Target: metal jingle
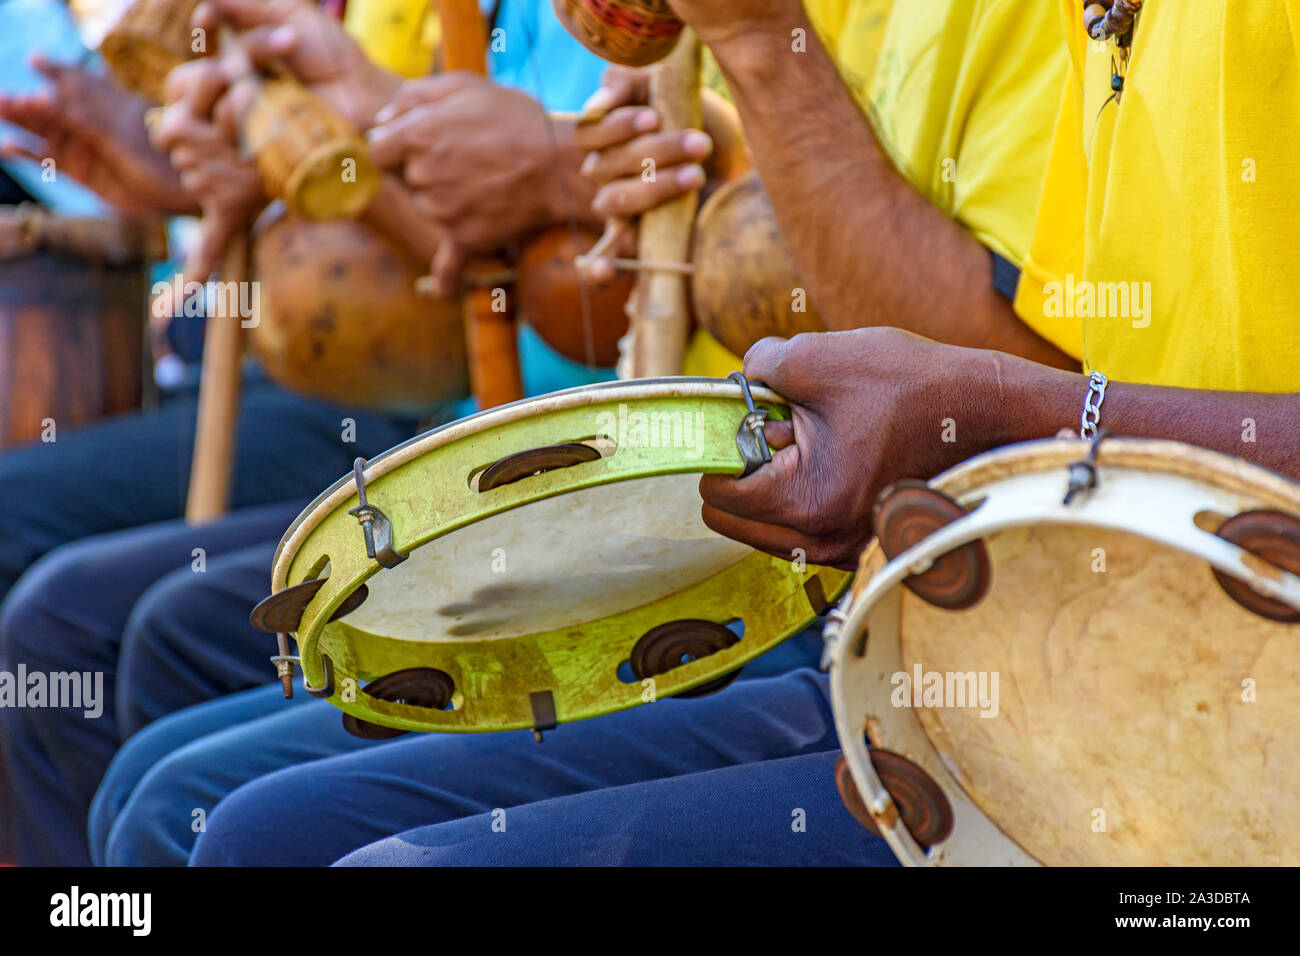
(534, 461)
(663, 648)
(415, 687)
(281, 613)
(921, 803)
(1271, 536)
(908, 512)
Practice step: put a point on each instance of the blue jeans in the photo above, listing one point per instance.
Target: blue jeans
(366, 791)
(782, 812)
(127, 604)
(134, 469)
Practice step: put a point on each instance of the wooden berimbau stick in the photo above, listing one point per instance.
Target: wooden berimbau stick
(490, 332)
(659, 311)
(300, 144)
(218, 414)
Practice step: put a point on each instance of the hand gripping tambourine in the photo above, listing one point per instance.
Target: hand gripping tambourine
(541, 562)
(1146, 651)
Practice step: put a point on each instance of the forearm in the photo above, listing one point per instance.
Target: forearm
(395, 213)
(1026, 401)
(871, 248)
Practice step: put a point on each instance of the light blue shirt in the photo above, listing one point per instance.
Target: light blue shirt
(40, 26)
(533, 52)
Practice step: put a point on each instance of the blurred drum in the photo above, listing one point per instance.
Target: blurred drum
(148, 41)
(340, 318)
(1031, 672)
(538, 563)
(74, 296)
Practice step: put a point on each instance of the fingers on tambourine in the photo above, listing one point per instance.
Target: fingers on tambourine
(773, 362)
(776, 540)
(771, 494)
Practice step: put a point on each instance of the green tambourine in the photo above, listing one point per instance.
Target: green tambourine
(539, 563)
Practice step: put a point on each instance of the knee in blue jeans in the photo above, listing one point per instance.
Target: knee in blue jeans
(30, 621)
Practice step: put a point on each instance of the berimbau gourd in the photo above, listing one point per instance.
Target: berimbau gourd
(628, 32)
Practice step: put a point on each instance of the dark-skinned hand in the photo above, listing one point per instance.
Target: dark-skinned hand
(869, 407)
(482, 160)
(94, 131)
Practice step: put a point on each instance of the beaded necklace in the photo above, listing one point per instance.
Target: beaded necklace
(1114, 18)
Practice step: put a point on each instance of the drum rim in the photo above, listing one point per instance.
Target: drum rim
(1045, 454)
(1227, 473)
(418, 445)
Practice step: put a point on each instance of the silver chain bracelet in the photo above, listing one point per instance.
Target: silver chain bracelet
(1091, 419)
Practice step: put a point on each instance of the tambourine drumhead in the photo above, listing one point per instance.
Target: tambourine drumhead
(548, 582)
(1136, 714)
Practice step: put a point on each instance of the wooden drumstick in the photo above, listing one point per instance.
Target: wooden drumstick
(490, 332)
(659, 311)
(218, 413)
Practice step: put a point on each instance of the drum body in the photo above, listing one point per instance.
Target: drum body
(1101, 700)
(74, 295)
(745, 286)
(150, 39)
(340, 318)
(556, 564)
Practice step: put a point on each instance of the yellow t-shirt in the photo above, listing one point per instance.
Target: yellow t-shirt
(964, 98)
(399, 35)
(963, 95)
(851, 30)
(1184, 196)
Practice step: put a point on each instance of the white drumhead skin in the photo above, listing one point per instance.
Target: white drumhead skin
(638, 390)
(560, 562)
(1139, 712)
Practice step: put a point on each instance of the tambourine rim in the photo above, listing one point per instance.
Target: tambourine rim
(1045, 454)
(342, 489)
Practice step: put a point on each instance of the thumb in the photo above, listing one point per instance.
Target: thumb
(765, 364)
(620, 86)
(448, 263)
(206, 256)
